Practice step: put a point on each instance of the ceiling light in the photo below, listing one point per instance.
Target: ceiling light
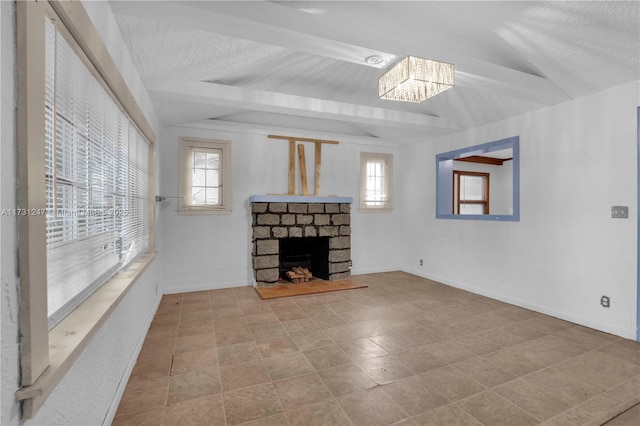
(415, 80)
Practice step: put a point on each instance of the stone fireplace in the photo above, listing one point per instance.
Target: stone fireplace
(313, 232)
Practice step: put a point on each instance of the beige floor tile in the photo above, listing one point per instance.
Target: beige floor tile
(326, 413)
(192, 385)
(626, 391)
(187, 362)
(186, 317)
(196, 306)
(446, 416)
(477, 344)
(452, 383)
(195, 327)
(233, 336)
(157, 346)
(362, 349)
(243, 375)
(256, 402)
(287, 365)
(586, 336)
(276, 420)
(599, 370)
(562, 345)
(213, 357)
(195, 342)
(419, 360)
(422, 335)
(151, 368)
(572, 417)
(628, 418)
(327, 357)
(290, 314)
(393, 343)
(312, 339)
(484, 372)
(449, 351)
(232, 312)
(282, 304)
(599, 405)
(533, 399)
(297, 391)
(384, 369)
(277, 346)
(492, 410)
(514, 360)
(372, 407)
(562, 386)
(149, 417)
(261, 318)
(268, 331)
(207, 410)
(230, 323)
(625, 349)
(328, 320)
(300, 326)
(234, 354)
(141, 395)
(414, 395)
(345, 379)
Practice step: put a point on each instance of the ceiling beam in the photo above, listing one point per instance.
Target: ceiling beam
(278, 25)
(259, 100)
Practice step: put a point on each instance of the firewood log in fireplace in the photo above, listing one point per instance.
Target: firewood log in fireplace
(299, 275)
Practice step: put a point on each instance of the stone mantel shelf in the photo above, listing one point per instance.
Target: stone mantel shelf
(299, 199)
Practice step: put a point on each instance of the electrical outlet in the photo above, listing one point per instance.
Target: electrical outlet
(421, 262)
(605, 301)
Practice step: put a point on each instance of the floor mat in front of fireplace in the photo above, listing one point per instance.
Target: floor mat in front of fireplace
(312, 287)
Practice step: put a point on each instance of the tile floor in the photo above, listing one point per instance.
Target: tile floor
(405, 351)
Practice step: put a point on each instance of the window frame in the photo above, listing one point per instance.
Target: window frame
(46, 355)
(187, 145)
(457, 174)
(365, 158)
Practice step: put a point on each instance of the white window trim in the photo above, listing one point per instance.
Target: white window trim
(184, 178)
(46, 355)
(364, 158)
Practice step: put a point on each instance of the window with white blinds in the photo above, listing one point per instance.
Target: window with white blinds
(375, 181)
(97, 181)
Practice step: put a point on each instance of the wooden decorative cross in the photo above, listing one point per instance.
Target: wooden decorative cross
(303, 165)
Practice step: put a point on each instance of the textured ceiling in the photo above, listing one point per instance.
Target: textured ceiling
(300, 65)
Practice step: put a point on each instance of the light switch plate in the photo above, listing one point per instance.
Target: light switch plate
(620, 212)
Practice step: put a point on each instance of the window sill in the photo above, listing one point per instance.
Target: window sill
(72, 335)
(370, 210)
(195, 212)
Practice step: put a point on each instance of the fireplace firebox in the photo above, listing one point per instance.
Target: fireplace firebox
(307, 252)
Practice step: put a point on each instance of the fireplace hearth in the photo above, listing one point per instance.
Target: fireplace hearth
(300, 231)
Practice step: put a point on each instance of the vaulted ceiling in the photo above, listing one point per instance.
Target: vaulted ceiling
(301, 65)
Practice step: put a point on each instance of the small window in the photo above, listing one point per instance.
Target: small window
(470, 192)
(205, 186)
(375, 181)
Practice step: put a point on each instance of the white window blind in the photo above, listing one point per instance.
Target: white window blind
(97, 182)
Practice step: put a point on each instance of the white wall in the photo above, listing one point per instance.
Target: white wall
(214, 251)
(91, 389)
(577, 160)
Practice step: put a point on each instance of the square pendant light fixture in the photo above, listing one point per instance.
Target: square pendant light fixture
(415, 79)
